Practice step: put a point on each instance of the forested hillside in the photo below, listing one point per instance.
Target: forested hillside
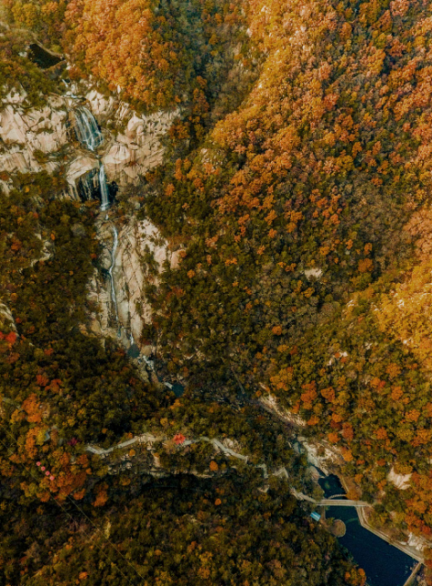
(295, 189)
(306, 213)
(67, 515)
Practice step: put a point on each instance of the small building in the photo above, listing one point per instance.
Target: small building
(315, 516)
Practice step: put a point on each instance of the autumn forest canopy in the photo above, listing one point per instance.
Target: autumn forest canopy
(295, 189)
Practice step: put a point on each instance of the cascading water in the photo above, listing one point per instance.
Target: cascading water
(90, 136)
(110, 272)
(105, 202)
(87, 186)
(87, 129)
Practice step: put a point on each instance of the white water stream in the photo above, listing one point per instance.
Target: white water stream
(105, 202)
(110, 272)
(87, 129)
(90, 136)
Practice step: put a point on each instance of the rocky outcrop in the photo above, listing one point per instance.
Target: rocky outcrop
(79, 167)
(137, 148)
(400, 481)
(6, 317)
(136, 240)
(133, 144)
(321, 455)
(418, 543)
(140, 246)
(270, 403)
(31, 140)
(313, 273)
(25, 135)
(128, 146)
(101, 106)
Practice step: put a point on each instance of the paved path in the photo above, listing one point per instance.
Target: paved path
(328, 502)
(148, 438)
(361, 506)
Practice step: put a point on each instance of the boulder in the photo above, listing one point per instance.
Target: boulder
(78, 230)
(12, 126)
(101, 106)
(401, 481)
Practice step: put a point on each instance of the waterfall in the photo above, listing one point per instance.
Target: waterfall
(105, 203)
(88, 134)
(87, 129)
(110, 272)
(87, 186)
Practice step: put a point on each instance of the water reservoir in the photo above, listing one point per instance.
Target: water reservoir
(383, 564)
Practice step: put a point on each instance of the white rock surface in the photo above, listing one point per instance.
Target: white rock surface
(43, 129)
(129, 271)
(316, 273)
(100, 320)
(131, 146)
(23, 133)
(135, 241)
(401, 481)
(12, 126)
(80, 166)
(101, 106)
(137, 148)
(271, 402)
(7, 317)
(418, 542)
(320, 454)
(16, 160)
(15, 96)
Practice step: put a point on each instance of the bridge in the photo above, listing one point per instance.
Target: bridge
(329, 502)
(341, 503)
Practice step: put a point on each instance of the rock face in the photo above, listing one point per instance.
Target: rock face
(133, 144)
(137, 148)
(271, 402)
(321, 455)
(79, 167)
(418, 542)
(6, 317)
(139, 244)
(137, 240)
(23, 134)
(36, 139)
(401, 481)
(101, 106)
(129, 144)
(313, 273)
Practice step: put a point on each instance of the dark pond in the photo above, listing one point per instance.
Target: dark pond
(42, 57)
(178, 389)
(134, 351)
(383, 564)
